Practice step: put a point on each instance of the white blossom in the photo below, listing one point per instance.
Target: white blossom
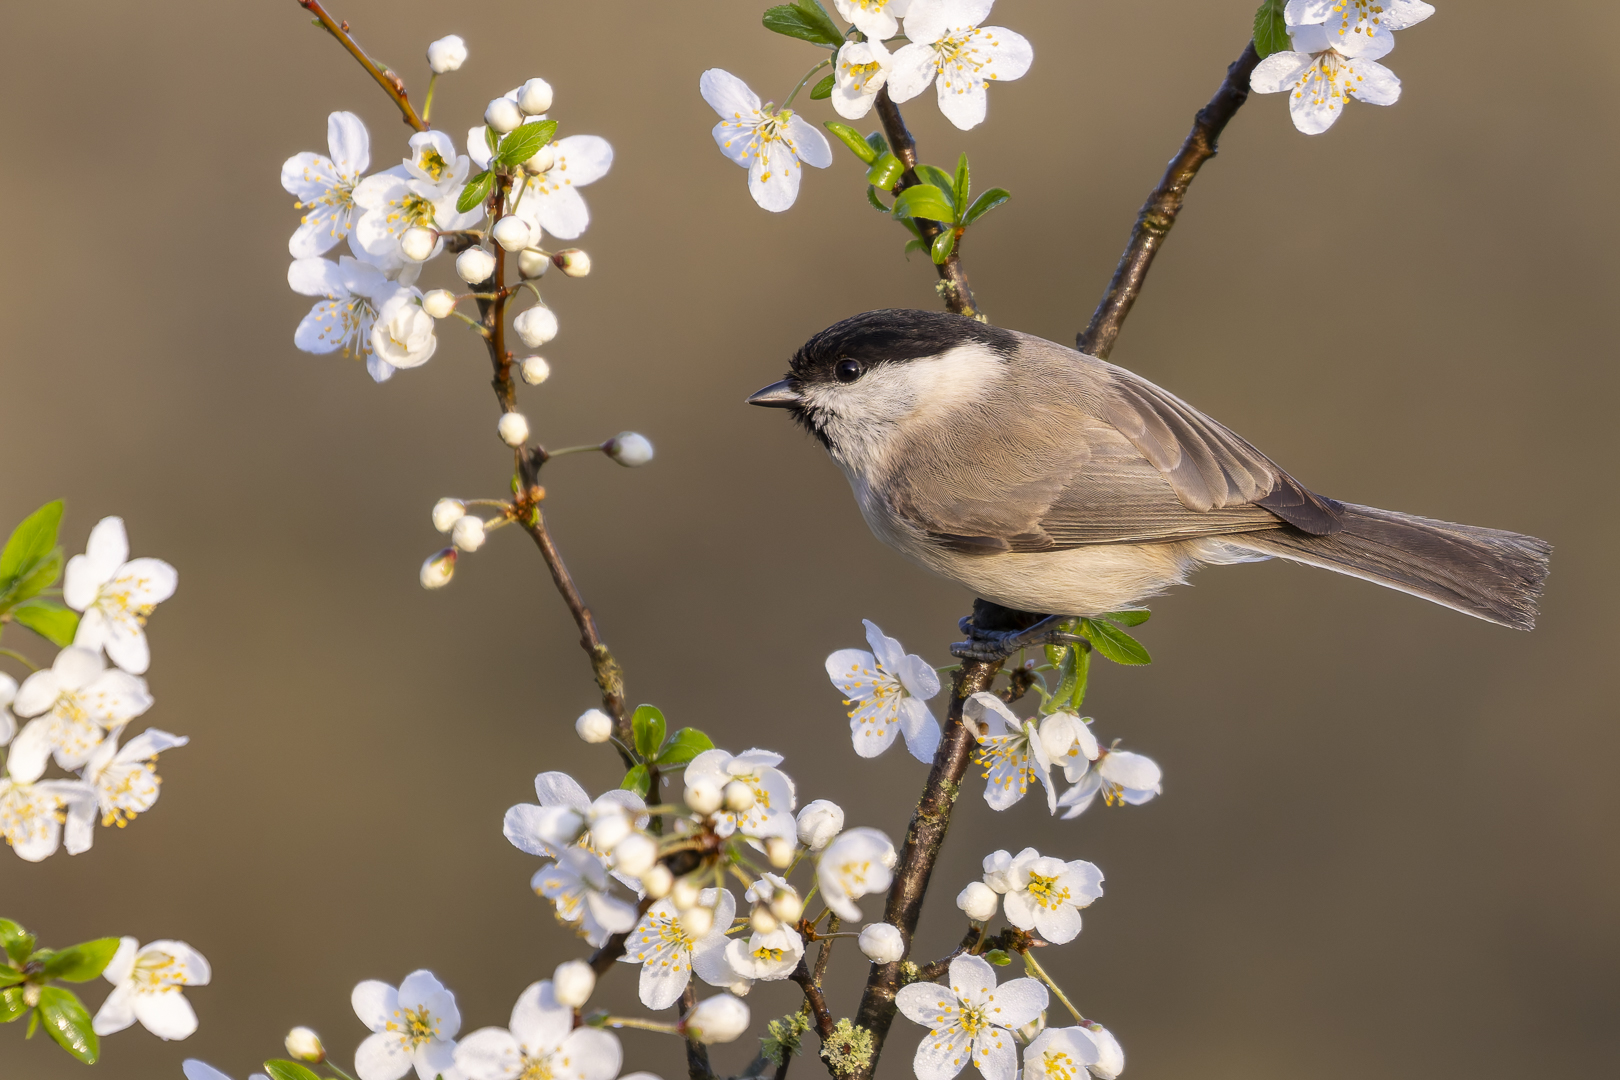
(550, 200)
(147, 986)
(766, 957)
(513, 428)
(877, 19)
(534, 370)
(882, 943)
(819, 822)
(536, 325)
(668, 954)
(1011, 752)
(415, 1025)
(950, 49)
(978, 901)
(352, 291)
(859, 72)
(774, 798)
(193, 1069)
(573, 262)
(887, 688)
(325, 185)
(475, 265)
(402, 335)
(534, 97)
(446, 512)
(1120, 777)
(1110, 1055)
(539, 1041)
(629, 449)
(418, 244)
(32, 810)
(8, 694)
(304, 1045)
(573, 982)
(468, 533)
(859, 862)
(447, 54)
(439, 303)
(533, 264)
(1042, 893)
(594, 726)
(970, 1019)
(577, 883)
(1059, 1054)
(716, 1020)
(438, 569)
(421, 192)
(1349, 21)
(770, 144)
(125, 780)
(564, 810)
(80, 698)
(1068, 742)
(513, 233)
(1322, 73)
(115, 594)
(502, 115)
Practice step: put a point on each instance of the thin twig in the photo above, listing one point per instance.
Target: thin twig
(970, 941)
(1158, 214)
(392, 85)
(697, 1054)
(812, 994)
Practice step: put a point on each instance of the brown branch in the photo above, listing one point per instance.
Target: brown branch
(970, 942)
(811, 986)
(953, 279)
(392, 84)
(1158, 214)
(697, 1054)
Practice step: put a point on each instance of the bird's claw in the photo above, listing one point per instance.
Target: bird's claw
(990, 645)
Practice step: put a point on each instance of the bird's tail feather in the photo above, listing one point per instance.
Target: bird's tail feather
(1489, 574)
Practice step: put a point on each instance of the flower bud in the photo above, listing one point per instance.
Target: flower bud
(513, 428)
(447, 54)
(703, 795)
(1110, 1055)
(594, 726)
(544, 160)
(446, 512)
(503, 115)
(417, 243)
(573, 261)
(439, 303)
(534, 97)
(761, 920)
(819, 822)
(468, 533)
(658, 881)
(978, 901)
(609, 830)
(882, 943)
(738, 796)
(780, 851)
(787, 906)
(536, 325)
(533, 264)
(534, 370)
(697, 921)
(512, 233)
(304, 1045)
(635, 855)
(475, 265)
(439, 569)
(684, 894)
(629, 449)
(716, 1020)
(572, 983)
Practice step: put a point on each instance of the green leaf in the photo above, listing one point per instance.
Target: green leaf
(10, 976)
(637, 780)
(852, 139)
(915, 245)
(877, 203)
(998, 957)
(1270, 28)
(491, 139)
(822, 90)
(885, 171)
(943, 245)
(1129, 617)
(82, 962)
(1073, 672)
(18, 943)
(649, 727)
(964, 183)
(806, 20)
(48, 618)
(30, 542)
(683, 746)
(476, 191)
(1114, 643)
(281, 1069)
(924, 201)
(877, 142)
(12, 1006)
(933, 174)
(985, 203)
(914, 230)
(523, 143)
(67, 1022)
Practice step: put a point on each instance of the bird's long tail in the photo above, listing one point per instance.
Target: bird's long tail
(1489, 574)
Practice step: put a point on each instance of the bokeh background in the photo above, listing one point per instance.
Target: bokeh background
(1387, 840)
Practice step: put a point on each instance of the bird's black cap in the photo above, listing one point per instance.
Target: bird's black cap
(893, 335)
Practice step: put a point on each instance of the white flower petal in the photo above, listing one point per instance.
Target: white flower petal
(166, 1015)
(375, 1003)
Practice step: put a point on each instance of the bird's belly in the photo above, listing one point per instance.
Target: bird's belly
(1080, 581)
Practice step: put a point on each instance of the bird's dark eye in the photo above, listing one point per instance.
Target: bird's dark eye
(847, 370)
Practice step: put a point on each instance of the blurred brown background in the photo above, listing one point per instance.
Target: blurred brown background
(1387, 840)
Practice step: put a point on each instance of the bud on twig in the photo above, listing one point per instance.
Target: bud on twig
(468, 533)
(513, 428)
(572, 261)
(684, 894)
(594, 726)
(544, 160)
(502, 115)
(533, 264)
(536, 325)
(738, 796)
(534, 370)
(779, 851)
(658, 882)
(512, 233)
(761, 920)
(572, 983)
(703, 796)
(439, 569)
(978, 901)
(304, 1045)
(716, 1020)
(417, 243)
(608, 830)
(475, 265)
(697, 921)
(882, 943)
(446, 512)
(447, 54)
(787, 906)
(819, 822)
(628, 449)
(534, 97)
(439, 303)
(635, 854)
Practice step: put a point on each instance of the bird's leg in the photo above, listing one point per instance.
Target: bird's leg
(995, 632)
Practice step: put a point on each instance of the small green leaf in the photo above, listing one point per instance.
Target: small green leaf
(683, 746)
(852, 139)
(637, 780)
(986, 203)
(523, 143)
(649, 727)
(1270, 28)
(877, 142)
(885, 171)
(30, 542)
(877, 203)
(924, 201)
(806, 20)
(491, 139)
(1129, 617)
(915, 245)
(49, 619)
(823, 89)
(18, 943)
(933, 174)
(964, 182)
(281, 1069)
(1072, 673)
(67, 1022)
(10, 976)
(943, 245)
(476, 191)
(1114, 643)
(12, 1006)
(998, 957)
(82, 962)
(914, 230)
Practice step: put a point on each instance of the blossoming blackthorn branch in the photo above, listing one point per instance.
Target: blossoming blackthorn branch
(392, 85)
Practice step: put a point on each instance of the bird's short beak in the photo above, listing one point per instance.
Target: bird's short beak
(778, 395)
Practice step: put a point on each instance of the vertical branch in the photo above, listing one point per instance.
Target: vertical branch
(392, 84)
(1158, 214)
(697, 1055)
(953, 279)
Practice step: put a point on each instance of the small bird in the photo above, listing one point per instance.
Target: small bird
(1051, 482)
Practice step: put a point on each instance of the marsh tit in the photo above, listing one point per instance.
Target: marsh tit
(1048, 481)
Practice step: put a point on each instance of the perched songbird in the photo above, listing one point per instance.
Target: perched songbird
(1051, 482)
